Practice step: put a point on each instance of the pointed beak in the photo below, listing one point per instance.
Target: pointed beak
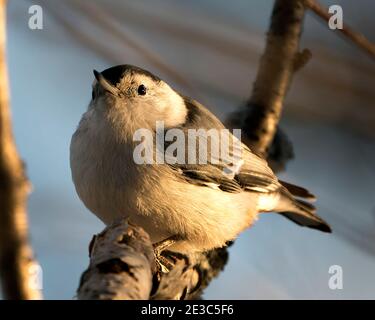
(107, 86)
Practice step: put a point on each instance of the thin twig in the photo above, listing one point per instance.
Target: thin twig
(16, 258)
(359, 39)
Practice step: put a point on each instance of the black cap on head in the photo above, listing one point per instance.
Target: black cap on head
(114, 74)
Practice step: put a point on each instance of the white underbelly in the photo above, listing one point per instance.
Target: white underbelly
(205, 217)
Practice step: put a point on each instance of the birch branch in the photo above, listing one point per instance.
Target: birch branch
(16, 257)
(122, 266)
(121, 263)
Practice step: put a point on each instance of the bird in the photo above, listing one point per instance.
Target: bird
(184, 207)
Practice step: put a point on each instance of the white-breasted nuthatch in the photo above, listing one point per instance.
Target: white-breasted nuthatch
(196, 207)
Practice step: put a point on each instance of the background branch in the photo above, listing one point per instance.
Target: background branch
(16, 258)
(260, 117)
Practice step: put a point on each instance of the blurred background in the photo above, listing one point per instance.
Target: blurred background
(209, 50)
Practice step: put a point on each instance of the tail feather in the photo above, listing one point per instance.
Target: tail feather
(298, 191)
(301, 213)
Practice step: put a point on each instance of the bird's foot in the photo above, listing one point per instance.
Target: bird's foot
(164, 265)
(165, 262)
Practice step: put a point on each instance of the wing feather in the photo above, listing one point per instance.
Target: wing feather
(249, 173)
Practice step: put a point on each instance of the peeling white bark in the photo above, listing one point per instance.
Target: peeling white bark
(121, 263)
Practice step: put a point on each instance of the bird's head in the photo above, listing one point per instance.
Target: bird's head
(126, 93)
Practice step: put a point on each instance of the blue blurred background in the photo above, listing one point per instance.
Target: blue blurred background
(210, 51)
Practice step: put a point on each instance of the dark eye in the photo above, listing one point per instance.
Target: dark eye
(142, 90)
(93, 94)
